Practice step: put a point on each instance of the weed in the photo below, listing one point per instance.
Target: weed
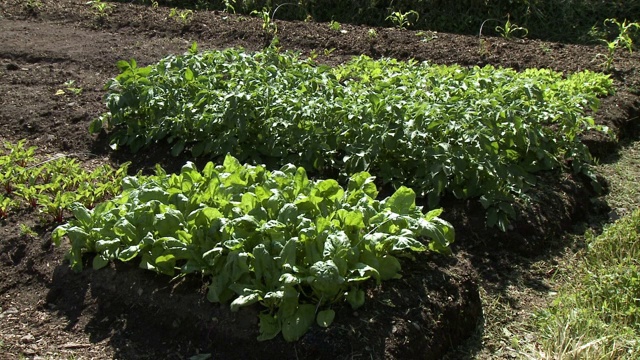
(372, 34)
(68, 86)
(403, 20)
(546, 48)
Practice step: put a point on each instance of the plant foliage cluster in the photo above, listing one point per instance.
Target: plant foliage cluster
(276, 238)
(474, 132)
(51, 186)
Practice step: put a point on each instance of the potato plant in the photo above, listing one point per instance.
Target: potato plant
(474, 132)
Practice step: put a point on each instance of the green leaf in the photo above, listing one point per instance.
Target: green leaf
(99, 262)
(269, 327)
(389, 267)
(188, 74)
(328, 189)
(178, 147)
(245, 300)
(325, 318)
(295, 326)
(355, 297)
(402, 202)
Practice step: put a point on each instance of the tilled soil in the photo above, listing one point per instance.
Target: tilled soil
(47, 311)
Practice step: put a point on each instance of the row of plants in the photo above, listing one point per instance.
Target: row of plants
(297, 247)
(473, 132)
(51, 185)
(571, 20)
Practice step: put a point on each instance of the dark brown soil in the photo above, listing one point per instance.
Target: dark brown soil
(49, 312)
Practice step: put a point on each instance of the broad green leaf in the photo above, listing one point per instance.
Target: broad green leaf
(403, 201)
(325, 318)
(389, 267)
(328, 189)
(355, 297)
(81, 213)
(178, 147)
(300, 180)
(129, 253)
(244, 300)
(293, 327)
(99, 261)
(325, 278)
(269, 327)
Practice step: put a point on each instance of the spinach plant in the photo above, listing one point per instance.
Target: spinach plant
(275, 238)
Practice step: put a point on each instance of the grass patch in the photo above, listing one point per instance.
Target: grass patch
(597, 312)
(597, 316)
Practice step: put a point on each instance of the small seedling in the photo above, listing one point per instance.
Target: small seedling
(484, 48)
(335, 26)
(68, 86)
(183, 17)
(229, 6)
(26, 231)
(511, 30)
(426, 36)
(100, 9)
(372, 34)
(403, 20)
(269, 27)
(32, 6)
(327, 52)
(624, 39)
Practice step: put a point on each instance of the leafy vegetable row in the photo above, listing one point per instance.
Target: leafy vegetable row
(52, 185)
(271, 237)
(475, 132)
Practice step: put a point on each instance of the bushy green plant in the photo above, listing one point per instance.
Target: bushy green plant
(276, 238)
(477, 133)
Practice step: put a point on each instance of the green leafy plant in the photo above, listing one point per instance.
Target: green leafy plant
(101, 10)
(372, 34)
(6, 204)
(403, 20)
(183, 17)
(269, 27)
(335, 26)
(510, 30)
(27, 231)
(52, 185)
(473, 132)
(69, 86)
(623, 39)
(32, 6)
(293, 245)
(426, 36)
(229, 6)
